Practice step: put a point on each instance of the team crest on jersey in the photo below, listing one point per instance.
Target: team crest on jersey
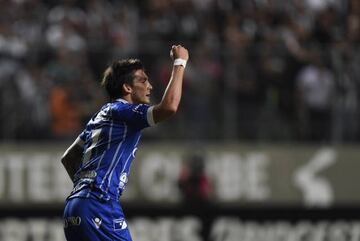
(97, 222)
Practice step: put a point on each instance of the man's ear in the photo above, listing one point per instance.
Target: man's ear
(127, 88)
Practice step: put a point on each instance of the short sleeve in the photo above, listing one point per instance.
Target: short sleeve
(139, 116)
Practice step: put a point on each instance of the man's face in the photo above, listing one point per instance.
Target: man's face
(141, 88)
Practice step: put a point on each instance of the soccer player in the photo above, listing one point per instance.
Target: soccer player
(99, 160)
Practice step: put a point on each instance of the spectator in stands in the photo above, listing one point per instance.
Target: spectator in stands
(316, 91)
(195, 185)
(257, 46)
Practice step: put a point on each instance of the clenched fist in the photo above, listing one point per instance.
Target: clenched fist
(178, 51)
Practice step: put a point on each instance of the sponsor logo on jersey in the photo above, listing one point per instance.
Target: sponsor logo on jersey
(123, 180)
(119, 224)
(72, 221)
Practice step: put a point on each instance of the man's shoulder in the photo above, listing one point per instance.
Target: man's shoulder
(119, 106)
(126, 105)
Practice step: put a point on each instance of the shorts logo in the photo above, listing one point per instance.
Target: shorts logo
(72, 221)
(97, 222)
(119, 224)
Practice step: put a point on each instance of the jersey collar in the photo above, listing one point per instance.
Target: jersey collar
(122, 100)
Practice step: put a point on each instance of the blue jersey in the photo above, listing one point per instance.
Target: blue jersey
(110, 141)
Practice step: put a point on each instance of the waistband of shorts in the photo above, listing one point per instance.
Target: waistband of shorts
(89, 192)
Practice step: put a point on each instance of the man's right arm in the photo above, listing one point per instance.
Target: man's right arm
(72, 157)
(169, 104)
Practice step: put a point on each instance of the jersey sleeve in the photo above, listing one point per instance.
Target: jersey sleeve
(80, 140)
(139, 116)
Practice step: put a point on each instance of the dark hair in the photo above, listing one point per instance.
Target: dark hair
(119, 73)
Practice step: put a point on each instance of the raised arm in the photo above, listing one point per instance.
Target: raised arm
(169, 104)
(72, 157)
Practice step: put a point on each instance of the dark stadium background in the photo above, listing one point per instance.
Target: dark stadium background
(265, 145)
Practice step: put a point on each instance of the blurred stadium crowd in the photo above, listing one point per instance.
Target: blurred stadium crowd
(259, 69)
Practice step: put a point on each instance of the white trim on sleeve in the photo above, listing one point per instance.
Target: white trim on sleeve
(150, 117)
(79, 141)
